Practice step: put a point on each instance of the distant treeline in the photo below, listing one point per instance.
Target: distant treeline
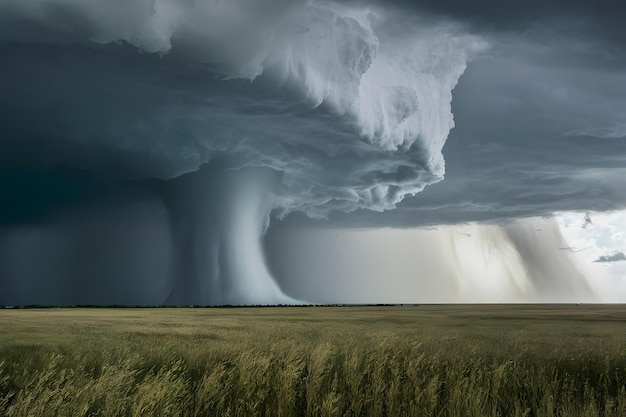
(39, 306)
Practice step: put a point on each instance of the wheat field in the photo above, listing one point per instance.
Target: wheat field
(484, 360)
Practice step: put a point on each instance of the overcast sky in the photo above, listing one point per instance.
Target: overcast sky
(137, 113)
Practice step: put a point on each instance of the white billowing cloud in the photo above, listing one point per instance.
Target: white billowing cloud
(353, 111)
(602, 237)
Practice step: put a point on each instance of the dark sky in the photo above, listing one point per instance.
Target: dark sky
(104, 106)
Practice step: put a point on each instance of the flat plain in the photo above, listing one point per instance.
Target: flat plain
(426, 360)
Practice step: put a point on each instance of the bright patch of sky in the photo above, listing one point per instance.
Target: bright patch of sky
(598, 240)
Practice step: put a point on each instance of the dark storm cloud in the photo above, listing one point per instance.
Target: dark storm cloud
(528, 112)
(539, 121)
(593, 30)
(30, 196)
(603, 16)
(315, 91)
(619, 256)
(295, 120)
(313, 107)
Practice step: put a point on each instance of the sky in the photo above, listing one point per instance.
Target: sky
(279, 152)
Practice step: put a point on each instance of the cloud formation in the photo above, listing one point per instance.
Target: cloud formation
(353, 115)
(619, 256)
(331, 109)
(233, 109)
(539, 129)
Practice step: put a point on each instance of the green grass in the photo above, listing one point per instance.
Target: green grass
(318, 361)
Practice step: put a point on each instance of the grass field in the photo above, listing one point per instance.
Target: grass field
(493, 360)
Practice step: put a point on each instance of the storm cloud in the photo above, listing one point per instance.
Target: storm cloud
(237, 109)
(208, 123)
(539, 120)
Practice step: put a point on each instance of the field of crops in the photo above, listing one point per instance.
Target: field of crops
(494, 360)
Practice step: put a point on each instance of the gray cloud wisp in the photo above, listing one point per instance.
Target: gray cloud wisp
(619, 256)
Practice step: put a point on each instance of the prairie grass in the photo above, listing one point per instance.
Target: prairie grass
(479, 361)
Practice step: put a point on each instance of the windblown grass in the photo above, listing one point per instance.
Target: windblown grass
(346, 361)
